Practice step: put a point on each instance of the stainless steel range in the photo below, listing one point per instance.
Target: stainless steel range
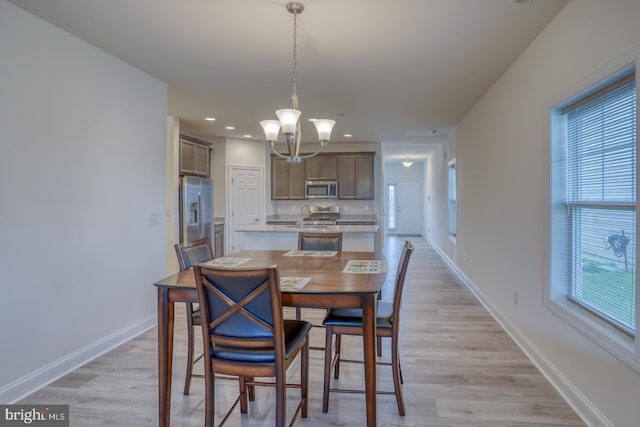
(322, 215)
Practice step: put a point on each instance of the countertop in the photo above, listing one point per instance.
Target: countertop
(343, 218)
(281, 228)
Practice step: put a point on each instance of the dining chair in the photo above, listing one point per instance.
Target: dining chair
(245, 335)
(348, 321)
(309, 241)
(188, 255)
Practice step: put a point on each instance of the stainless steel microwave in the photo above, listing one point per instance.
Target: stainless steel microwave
(321, 189)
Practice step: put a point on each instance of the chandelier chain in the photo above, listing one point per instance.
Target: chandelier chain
(295, 48)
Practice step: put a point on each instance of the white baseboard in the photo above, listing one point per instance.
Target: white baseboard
(28, 384)
(574, 397)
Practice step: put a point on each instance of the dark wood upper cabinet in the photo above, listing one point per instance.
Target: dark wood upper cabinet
(364, 177)
(355, 176)
(354, 173)
(287, 179)
(194, 158)
(296, 180)
(321, 167)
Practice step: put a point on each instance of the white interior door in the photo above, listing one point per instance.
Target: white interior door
(408, 207)
(246, 199)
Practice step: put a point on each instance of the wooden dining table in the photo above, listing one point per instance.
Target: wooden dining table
(329, 286)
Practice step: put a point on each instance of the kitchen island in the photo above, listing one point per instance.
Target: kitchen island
(365, 238)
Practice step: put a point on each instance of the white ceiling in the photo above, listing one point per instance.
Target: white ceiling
(392, 71)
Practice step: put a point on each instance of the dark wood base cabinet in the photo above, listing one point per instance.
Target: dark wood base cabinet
(218, 240)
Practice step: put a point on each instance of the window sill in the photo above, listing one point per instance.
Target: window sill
(611, 339)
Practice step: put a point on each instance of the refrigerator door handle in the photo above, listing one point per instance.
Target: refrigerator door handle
(200, 216)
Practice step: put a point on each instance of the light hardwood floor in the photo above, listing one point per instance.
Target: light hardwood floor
(460, 369)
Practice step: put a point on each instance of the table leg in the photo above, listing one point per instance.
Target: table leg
(165, 356)
(369, 345)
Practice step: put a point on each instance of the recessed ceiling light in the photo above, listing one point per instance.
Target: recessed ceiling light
(210, 119)
(246, 135)
(230, 127)
(347, 135)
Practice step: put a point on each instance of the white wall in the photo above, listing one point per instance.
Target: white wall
(503, 180)
(82, 169)
(173, 192)
(437, 194)
(395, 172)
(219, 174)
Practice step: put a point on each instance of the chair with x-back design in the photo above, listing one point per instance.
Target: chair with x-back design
(245, 335)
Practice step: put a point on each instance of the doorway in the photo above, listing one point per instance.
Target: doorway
(408, 207)
(246, 202)
(391, 218)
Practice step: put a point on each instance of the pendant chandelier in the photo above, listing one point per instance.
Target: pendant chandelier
(288, 117)
(407, 163)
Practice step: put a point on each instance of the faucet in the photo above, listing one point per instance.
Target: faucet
(302, 214)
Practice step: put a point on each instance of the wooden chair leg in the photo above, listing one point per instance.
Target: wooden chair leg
(281, 398)
(336, 367)
(243, 394)
(379, 346)
(327, 369)
(395, 366)
(251, 390)
(209, 400)
(304, 377)
(190, 350)
(298, 313)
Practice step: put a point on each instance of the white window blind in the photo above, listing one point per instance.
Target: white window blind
(600, 177)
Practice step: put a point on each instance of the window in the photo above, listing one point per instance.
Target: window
(593, 212)
(453, 202)
(391, 207)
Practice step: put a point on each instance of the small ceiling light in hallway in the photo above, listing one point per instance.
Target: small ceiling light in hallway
(407, 163)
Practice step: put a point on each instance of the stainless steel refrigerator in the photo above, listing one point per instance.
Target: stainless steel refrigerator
(196, 209)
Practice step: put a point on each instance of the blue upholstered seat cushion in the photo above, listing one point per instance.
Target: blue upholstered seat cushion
(294, 332)
(353, 316)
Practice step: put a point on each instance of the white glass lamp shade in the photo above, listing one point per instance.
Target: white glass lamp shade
(324, 128)
(271, 129)
(289, 119)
